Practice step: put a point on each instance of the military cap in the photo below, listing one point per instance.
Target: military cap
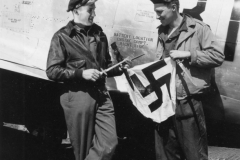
(162, 1)
(73, 3)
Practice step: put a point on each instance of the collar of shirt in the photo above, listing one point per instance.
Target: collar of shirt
(163, 30)
(82, 29)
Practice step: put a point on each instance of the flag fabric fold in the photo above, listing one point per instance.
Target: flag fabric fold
(154, 93)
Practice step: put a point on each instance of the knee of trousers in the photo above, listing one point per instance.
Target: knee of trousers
(81, 110)
(88, 110)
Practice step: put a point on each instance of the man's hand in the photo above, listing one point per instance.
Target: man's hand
(126, 65)
(91, 74)
(175, 54)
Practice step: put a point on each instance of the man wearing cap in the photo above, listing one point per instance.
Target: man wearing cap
(77, 53)
(190, 42)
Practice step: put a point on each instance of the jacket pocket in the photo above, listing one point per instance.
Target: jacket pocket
(76, 64)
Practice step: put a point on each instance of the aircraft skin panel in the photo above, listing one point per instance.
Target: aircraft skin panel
(110, 8)
(38, 73)
(132, 43)
(22, 49)
(224, 22)
(16, 46)
(137, 14)
(231, 112)
(222, 108)
(211, 6)
(228, 76)
(187, 4)
(133, 28)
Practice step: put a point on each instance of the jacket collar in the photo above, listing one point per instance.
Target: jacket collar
(163, 30)
(190, 21)
(70, 28)
(160, 27)
(191, 28)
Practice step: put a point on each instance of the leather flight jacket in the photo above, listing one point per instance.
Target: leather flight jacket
(68, 58)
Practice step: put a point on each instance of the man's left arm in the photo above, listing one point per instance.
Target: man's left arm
(210, 55)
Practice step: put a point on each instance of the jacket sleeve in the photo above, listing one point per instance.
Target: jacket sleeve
(56, 66)
(209, 54)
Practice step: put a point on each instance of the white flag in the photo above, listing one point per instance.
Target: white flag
(154, 93)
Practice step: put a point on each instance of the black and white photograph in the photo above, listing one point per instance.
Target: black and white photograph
(119, 80)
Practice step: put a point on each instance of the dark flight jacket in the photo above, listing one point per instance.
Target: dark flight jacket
(68, 58)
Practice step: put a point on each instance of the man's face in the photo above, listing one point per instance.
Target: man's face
(86, 14)
(164, 13)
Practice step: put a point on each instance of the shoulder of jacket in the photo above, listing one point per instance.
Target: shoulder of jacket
(67, 29)
(58, 34)
(60, 31)
(97, 27)
(200, 23)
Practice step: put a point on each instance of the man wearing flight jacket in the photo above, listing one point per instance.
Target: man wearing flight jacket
(77, 54)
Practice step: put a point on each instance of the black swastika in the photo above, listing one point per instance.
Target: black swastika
(155, 84)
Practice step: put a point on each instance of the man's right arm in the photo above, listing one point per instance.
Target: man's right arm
(56, 65)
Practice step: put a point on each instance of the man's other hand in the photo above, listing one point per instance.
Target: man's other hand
(175, 54)
(91, 74)
(126, 65)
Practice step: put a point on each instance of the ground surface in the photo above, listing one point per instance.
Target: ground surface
(222, 153)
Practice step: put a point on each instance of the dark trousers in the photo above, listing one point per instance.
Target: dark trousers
(90, 122)
(184, 135)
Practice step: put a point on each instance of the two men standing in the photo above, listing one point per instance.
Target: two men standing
(79, 51)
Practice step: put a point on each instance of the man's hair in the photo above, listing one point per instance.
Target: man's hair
(167, 2)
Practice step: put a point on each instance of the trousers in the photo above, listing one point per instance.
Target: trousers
(90, 120)
(183, 136)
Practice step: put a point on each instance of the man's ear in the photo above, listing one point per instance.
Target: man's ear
(75, 11)
(174, 7)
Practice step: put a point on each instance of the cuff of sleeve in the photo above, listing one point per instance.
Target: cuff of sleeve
(193, 56)
(115, 72)
(78, 74)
